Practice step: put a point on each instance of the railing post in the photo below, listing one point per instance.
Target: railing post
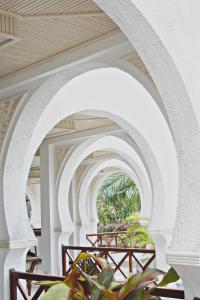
(13, 285)
(130, 261)
(64, 261)
(116, 241)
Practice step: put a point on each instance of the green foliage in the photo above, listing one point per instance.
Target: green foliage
(81, 286)
(137, 235)
(135, 218)
(59, 291)
(117, 199)
(171, 276)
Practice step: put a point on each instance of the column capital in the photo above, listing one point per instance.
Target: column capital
(187, 265)
(183, 258)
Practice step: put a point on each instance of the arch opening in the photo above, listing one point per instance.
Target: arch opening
(118, 198)
(45, 122)
(144, 139)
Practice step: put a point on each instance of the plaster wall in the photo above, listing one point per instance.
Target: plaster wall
(181, 25)
(147, 40)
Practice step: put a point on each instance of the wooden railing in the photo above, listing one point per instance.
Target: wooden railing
(116, 256)
(37, 231)
(32, 260)
(104, 239)
(17, 290)
(169, 293)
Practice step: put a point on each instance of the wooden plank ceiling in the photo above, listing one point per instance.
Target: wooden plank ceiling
(45, 28)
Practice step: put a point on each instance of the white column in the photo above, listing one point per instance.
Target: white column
(12, 256)
(75, 215)
(162, 240)
(93, 221)
(187, 264)
(49, 216)
(53, 235)
(38, 199)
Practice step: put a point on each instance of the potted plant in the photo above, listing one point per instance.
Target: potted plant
(78, 285)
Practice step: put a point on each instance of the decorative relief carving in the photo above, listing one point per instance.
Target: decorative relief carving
(7, 109)
(7, 30)
(67, 124)
(60, 153)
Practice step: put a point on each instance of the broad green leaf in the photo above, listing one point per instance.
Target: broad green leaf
(138, 280)
(105, 278)
(95, 293)
(103, 282)
(136, 294)
(59, 291)
(170, 276)
(103, 294)
(47, 283)
(96, 288)
(115, 286)
(89, 278)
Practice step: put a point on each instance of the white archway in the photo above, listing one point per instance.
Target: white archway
(108, 143)
(45, 112)
(175, 97)
(96, 185)
(88, 197)
(121, 166)
(44, 126)
(71, 162)
(154, 172)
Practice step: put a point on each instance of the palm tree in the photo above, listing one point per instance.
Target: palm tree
(118, 198)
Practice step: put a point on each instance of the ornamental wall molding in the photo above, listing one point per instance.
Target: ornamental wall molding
(60, 153)
(17, 244)
(183, 258)
(8, 107)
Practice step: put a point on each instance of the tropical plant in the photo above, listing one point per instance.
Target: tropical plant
(80, 286)
(137, 235)
(117, 199)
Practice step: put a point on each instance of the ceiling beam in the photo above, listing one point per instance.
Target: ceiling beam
(92, 160)
(64, 16)
(96, 48)
(72, 138)
(50, 16)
